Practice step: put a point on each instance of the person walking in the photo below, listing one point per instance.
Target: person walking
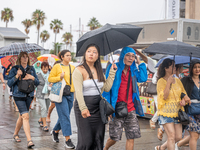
(22, 71)
(58, 72)
(169, 90)
(42, 94)
(126, 77)
(91, 129)
(37, 67)
(192, 87)
(52, 106)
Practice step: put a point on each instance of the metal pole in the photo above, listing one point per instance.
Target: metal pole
(79, 27)
(165, 9)
(108, 46)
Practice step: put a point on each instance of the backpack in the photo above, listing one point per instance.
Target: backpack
(26, 86)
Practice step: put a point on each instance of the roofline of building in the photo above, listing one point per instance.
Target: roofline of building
(11, 37)
(162, 21)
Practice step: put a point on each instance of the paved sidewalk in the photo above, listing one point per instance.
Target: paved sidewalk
(43, 141)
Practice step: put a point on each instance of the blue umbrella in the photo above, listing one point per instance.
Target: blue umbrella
(178, 60)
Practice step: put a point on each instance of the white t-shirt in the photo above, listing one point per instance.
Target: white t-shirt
(151, 64)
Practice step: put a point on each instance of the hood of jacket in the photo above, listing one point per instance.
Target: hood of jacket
(37, 69)
(137, 76)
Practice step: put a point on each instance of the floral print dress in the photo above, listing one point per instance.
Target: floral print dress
(194, 125)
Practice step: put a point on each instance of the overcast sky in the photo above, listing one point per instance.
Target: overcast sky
(69, 12)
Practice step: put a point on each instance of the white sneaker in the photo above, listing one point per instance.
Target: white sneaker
(176, 146)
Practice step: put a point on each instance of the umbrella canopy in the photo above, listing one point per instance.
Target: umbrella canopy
(173, 48)
(159, 56)
(178, 60)
(5, 61)
(47, 56)
(32, 58)
(16, 48)
(108, 38)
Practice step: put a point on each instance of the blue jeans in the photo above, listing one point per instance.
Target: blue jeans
(163, 120)
(23, 104)
(63, 110)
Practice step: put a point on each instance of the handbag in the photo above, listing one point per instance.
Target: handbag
(26, 86)
(121, 109)
(105, 108)
(66, 90)
(194, 108)
(151, 88)
(57, 91)
(183, 117)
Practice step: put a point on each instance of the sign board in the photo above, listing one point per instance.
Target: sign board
(173, 9)
(191, 32)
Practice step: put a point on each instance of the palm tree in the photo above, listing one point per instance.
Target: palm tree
(57, 46)
(6, 15)
(38, 18)
(27, 24)
(44, 35)
(94, 24)
(67, 38)
(56, 25)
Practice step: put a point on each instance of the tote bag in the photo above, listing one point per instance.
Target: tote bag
(57, 91)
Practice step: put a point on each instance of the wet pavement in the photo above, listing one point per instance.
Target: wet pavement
(43, 140)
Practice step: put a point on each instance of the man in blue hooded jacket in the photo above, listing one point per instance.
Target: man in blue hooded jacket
(118, 93)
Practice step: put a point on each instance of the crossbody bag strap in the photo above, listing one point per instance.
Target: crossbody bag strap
(70, 74)
(128, 85)
(95, 84)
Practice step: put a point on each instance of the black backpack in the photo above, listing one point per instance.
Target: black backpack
(25, 86)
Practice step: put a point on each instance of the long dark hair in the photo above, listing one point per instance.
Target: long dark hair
(192, 63)
(164, 65)
(62, 53)
(97, 64)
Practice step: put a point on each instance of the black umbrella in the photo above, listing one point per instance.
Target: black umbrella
(159, 56)
(173, 48)
(109, 38)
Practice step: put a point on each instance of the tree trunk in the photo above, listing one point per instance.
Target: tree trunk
(38, 37)
(38, 41)
(6, 24)
(55, 44)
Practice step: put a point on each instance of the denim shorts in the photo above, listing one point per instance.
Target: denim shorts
(23, 104)
(163, 120)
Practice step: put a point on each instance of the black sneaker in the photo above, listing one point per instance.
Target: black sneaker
(69, 144)
(55, 136)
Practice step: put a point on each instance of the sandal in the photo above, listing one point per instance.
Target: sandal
(16, 138)
(152, 125)
(40, 123)
(30, 144)
(158, 147)
(160, 134)
(45, 129)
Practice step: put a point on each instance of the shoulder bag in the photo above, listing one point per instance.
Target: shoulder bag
(151, 88)
(57, 91)
(182, 116)
(67, 88)
(121, 109)
(105, 108)
(194, 108)
(26, 86)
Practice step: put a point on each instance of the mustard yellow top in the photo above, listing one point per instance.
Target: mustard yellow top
(56, 71)
(170, 106)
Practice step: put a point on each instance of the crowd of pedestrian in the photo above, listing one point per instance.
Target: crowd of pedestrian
(86, 84)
